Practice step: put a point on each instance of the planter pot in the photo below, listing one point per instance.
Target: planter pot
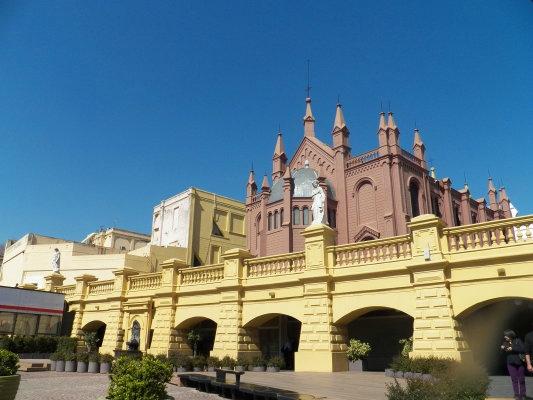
(82, 366)
(272, 369)
(70, 366)
(105, 368)
(197, 369)
(408, 375)
(357, 366)
(239, 368)
(389, 372)
(398, 374)
(53, 365)
(9, 386)
(181, 369)
(426, 377)
(94, 367)
(258, 369)
(60, 366)
(417, 375)
(210, 369)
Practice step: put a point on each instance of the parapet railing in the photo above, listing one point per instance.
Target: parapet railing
(145, 281)
(411, 157)
(100, 287)
(275, 265)
(490, 234)
(67, 290)
(362, 158)
(372, 251)
(200, 275)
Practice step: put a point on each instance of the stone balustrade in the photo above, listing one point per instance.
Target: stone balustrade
(67, 290)
(201, 275)
(276, 265)
(98, 288)
(144, 281)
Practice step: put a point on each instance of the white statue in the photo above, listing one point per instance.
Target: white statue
(319, 199)
(56, 261)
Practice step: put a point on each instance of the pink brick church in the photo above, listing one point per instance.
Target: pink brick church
(369, 196)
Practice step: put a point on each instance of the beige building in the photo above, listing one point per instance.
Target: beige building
(204, 223)
(119, 239)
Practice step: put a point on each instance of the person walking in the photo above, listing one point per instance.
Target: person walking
(528, 344)
(514, 348)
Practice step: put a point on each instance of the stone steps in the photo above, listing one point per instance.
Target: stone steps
(28, 366)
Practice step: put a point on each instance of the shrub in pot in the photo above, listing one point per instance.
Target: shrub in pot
(356, 353)
(60, 362)
(9, 380)
(182, 363)
(198, 363)
(82, 358)
(70, 362)
(240, 364)
(143, 379)
(212, 363)
(53, 361)
(227, 362)
(258, 364)
(94, 362)
(66, 344)
(105, 363)
(275, 363)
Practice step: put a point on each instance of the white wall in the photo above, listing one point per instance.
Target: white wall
(170, 223)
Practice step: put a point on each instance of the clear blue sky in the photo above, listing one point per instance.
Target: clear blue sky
(106, 108)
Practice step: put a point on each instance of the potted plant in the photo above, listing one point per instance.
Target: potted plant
(212, 363)
(91, 340)
(227, 362)
(105, 363)
(83, 358)
(70, 362)
(258, 364)
(193, 337)
(53, 361)
(94, 362)
(9, 380)
(241, 364)
(60, 362)
(198, 363)
(357, 352)
(182, 362)
(275, 363)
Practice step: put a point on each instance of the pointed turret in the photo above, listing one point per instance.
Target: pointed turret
(505, 204)
(251, 187)
(340, 131)
(279, 159)
(393, 131)
(493, 202)
(382, 133)
(391, 123)
(265, 187)
(419, 149)
(309, 120)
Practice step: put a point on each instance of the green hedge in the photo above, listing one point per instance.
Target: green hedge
(452, 380)
(8, 363)
(29, 344)
(139, 379)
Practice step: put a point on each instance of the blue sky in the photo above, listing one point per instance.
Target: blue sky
(106, 108)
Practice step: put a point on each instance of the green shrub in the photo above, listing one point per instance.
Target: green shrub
(227, 362)
(241, 361)
(106, 358)
(8, 363)
(54, 357)
(407, 346)
(139, 379)
(276, 361)
(29, 344)
(259, 361)
(91, 340)
(66, 344)
(357, 350)
(82, 356)
(69, 356)
(424, 365)
(199, 362)
(182, 361)
(94, 356)
(213, 361)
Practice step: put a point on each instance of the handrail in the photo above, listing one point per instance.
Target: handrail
(280, 264)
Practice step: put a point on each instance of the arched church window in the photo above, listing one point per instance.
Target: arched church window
(280, 217)
(296, 216)
(413, 191)
(270, 221)
(276, 219)
(305, 212)
(332, 218)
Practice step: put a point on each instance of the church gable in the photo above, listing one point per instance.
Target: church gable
(317, 153)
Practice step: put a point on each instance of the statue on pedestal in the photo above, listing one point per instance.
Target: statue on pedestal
(56, 261)
(319, 199)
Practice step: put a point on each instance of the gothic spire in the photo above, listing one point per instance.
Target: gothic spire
(382, 123)
(391, 123)
(280, 147)
(309, 120)
(339, 118)
(265, 185)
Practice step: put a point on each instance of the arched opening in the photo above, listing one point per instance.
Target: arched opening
(96, 326)
(382, 328)
(270, 221)
(305, 216)
(67, 321)
(296, 216)
(483, 327)
(276, 219)
(414, 190)
(276, 335)
(196, 334)
(257, 232)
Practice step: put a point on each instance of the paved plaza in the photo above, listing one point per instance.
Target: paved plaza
(325, 386)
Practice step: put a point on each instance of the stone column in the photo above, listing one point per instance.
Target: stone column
(165, 338)
(322, 346)
(82, 283)
(436, 331)
(52, 281)
(231, 339)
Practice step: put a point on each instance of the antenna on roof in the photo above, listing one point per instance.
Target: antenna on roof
(308, 89)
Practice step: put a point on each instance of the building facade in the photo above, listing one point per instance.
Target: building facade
(204, 224)
(371, 195)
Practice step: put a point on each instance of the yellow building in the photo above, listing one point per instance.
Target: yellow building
(437, 284)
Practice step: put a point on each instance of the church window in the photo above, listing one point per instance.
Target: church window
(305, 212)
(276, 219)
(296, 216)
(435, 206)
(474, 218)
(270, 221)
(456, 215)
(332, 218)
(280, 217)
(413, 191)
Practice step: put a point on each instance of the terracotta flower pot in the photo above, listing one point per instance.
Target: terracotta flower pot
(9, 386)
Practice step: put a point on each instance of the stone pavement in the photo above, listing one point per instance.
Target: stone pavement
(74, 386)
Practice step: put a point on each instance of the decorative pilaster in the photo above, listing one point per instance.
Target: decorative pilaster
(51, 282)
(436, 331)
